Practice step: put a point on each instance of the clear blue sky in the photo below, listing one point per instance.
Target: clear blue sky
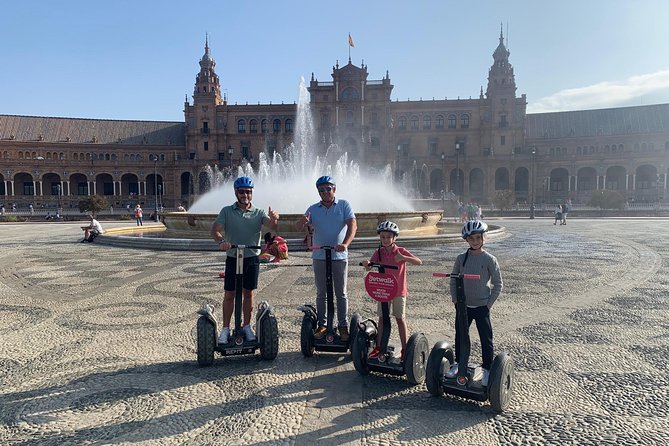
(134, 59)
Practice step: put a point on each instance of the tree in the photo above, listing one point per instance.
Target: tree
(93, 204)
(607, 199)
(503, 199)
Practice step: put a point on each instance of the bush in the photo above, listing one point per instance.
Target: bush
(607, 199)
(503, 199)
(93, 204)
(9, 218)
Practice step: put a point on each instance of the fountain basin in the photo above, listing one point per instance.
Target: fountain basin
(414, 223)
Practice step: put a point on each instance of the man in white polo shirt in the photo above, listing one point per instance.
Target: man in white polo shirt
(334, 224)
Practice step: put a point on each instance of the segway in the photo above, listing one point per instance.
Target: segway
(331, 341)
(382, 287)
(500, 382)
(267, 330)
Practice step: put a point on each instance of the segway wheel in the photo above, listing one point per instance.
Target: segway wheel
(269, 337)
(307, 337)
(500, 383)
(359, 352)
(415, 358)
(440, 359)
(354, 327)
(206, 342)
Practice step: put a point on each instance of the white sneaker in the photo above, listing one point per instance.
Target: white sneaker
(452, 371)
(224, 336)
(486, 377)
(248, 333)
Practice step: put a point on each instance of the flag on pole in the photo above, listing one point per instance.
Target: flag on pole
(350, 41)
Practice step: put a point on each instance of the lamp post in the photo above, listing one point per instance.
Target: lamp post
(230, 151)
(534, 156)
(443, 181)
(58, 191)
(397, 167)
(160, 196)
(155, 187)
(457, 170)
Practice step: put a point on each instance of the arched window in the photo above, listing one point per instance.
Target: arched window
(289, 125)
(276, 125)
(414, 123)
(349, 117)
(132, 157)
(241, 126)
(263, 126)
(253, 126)
(451, 121)
(439, 122)
(20, 155)
(107, 157)
(464, 121)
(350, 94)
(427, 122)
(27, 155)
(113, 157)
(48, 155)
(402, 123)
(126, 157)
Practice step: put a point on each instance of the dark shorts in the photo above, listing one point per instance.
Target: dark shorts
(251, 272)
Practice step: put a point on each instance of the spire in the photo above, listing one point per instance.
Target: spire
(500, 75)
(206, 81)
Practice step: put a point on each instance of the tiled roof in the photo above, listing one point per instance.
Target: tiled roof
(608, 121)
(82, 131)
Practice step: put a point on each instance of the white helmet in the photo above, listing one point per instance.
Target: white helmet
(474, 227)
(388, 226)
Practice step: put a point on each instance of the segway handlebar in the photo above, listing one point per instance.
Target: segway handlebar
(457, 276)
(380, 265)
(313, 248)
(245, 246)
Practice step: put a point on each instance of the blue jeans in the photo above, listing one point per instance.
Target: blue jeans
(339, 276)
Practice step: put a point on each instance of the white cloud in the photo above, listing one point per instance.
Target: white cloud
(636, 90)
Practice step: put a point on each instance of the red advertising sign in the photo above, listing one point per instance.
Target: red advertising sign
(381, 287)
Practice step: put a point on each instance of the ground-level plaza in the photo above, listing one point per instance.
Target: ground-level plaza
(98, 346)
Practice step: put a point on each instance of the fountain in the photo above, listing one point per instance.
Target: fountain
(286, 182)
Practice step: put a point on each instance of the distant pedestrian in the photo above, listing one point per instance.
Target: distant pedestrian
(558, 214)
(139, 214)
(566, 208)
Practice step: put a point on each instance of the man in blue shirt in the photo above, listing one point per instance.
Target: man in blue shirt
(333, 223)
(242, 224)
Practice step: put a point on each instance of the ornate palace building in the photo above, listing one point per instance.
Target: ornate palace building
(471, 147)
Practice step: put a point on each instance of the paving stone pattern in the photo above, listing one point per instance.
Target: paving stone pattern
(98, 346)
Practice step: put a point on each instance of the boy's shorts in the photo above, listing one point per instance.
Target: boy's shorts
(397, 307)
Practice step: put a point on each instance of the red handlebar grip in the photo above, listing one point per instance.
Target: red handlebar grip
(472, 276)
(440, 275)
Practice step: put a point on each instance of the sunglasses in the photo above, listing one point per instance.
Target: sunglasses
(326, 189)
(245, 191)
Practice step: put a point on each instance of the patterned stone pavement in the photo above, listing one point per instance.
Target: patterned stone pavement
(98, 346)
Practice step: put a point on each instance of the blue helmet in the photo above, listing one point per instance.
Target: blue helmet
(325, 179)
(243, 182)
